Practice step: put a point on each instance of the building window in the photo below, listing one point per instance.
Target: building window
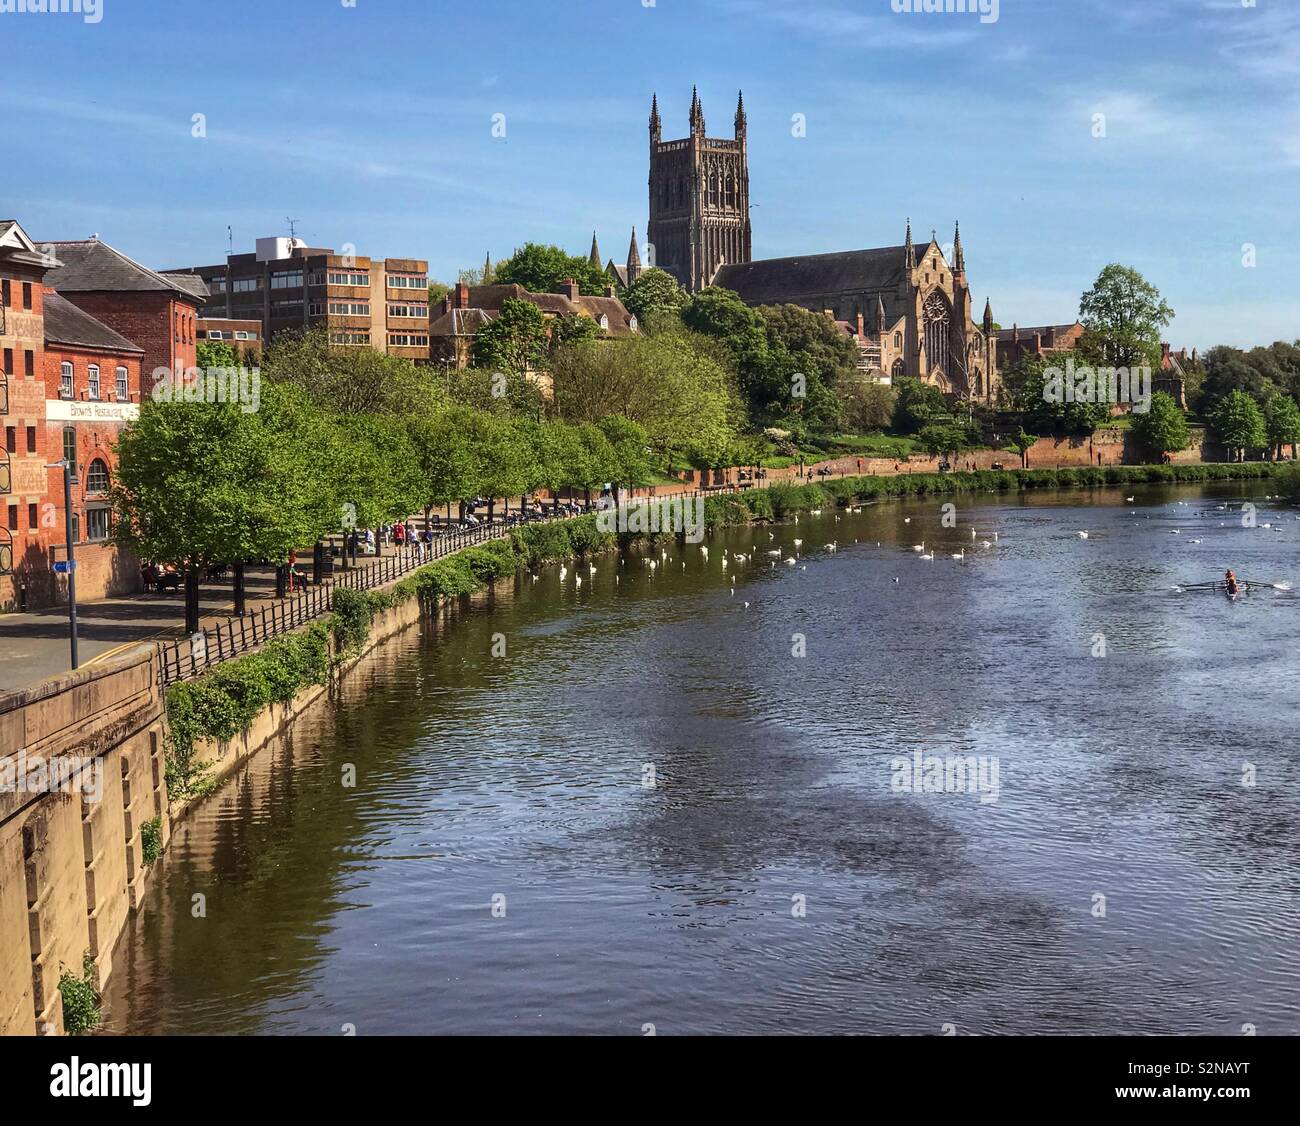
(70, 449)
(97, 524)
(417, 311)
(97, 477)
(339, 278)
(76, 528)
(29, 362)
(316, 309)
(349, 338)
(286, 307)
(27, 295)
(349, 308)
(92, 380)
(65, 380)
(245, 336)
(604, 322)
(123, 385)
(401, 281)
(217, 285)
(9, 361)
(32, 518)
(4, 293)
(898, 340)
(31, 439)
(11, 439)
(246, 285)
(286, 279)
(406, 340)
(13, 518)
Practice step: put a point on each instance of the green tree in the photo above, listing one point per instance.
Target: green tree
(917, 405)
(1124, 316)
(1163, 428)
(513, 343)
(1238, 423)
(216, 354)
(868, 408)
(629, 461)
(349, 380)
(654, 292)
(201, 484)
(1282, 419)
(569, 329)
(541, 269)
(681, 396)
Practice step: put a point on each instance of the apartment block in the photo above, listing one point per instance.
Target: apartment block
(379, 303)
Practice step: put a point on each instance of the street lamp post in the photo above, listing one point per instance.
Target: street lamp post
(66, 466)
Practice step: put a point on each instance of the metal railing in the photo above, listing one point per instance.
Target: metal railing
(194, 655)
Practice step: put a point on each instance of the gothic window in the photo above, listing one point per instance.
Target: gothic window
(898, 370)
(898, 341)
(936, 314)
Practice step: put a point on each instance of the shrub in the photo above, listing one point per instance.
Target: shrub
(81, 1010)
(151, 840)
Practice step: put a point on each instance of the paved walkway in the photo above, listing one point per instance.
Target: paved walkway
(34, 646)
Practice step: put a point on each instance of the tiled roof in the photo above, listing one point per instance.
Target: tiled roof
(774, 281)
(485, 303)
(66, 324)
(92, 266)
(1030, 331)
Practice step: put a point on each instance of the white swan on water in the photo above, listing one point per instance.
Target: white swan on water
(1082, 535)
(919, 546)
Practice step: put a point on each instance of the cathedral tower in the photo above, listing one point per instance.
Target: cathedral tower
(699, 198)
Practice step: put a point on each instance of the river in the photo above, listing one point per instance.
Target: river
(508, 862)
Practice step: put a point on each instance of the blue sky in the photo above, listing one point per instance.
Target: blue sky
(372, 125)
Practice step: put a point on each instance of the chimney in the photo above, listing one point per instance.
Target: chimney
(570, 289)
(462, 295)
(609, 291)
(862, 326)
(1051, 336)
(1015, 334)
(1164, 355)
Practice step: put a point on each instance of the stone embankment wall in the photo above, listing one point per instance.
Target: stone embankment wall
(71, 858)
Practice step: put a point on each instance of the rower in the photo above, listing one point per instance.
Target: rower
(1230, 581)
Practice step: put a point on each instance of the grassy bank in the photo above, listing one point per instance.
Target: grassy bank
(779, 501)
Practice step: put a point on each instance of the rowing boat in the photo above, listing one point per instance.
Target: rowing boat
(1244, 586)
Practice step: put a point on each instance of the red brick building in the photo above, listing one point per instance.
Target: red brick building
(23, 477)
(92, 391)
(156, 312)
(70, 383)
(1039, 340)
(245, 337)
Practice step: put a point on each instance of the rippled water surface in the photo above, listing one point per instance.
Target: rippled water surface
(772, 879)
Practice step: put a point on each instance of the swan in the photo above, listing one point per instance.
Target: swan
(985, 543)
(775, 553)
(798, 543)
(830, 546)
(919, 546)
(790, 562)
(929, 558)
(1082, 535)
(564, 572)
(960, 554)
(1128, 500)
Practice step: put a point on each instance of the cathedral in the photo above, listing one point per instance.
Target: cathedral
(908, 308)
